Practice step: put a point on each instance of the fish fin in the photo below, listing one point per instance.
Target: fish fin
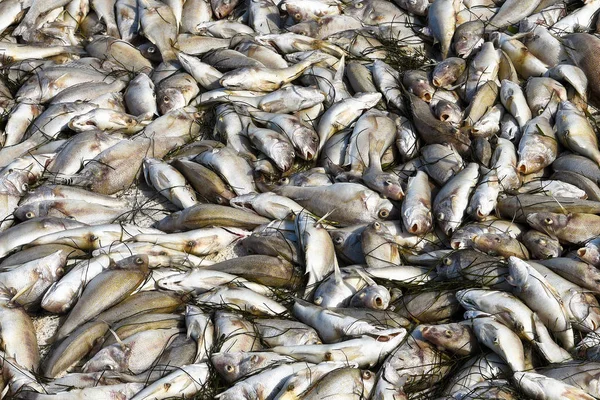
(324, 217)
(21, 292)
(337, 274)
(339, 75)
(118, 339)
(363, 274)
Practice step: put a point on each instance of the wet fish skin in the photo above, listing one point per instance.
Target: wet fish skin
(533, 289)
(123, 281)
(567, 228)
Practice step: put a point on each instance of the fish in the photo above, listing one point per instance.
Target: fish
(298, 199)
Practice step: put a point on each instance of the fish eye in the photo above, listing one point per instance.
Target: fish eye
(359, 5)
(139, 261)
(191, 243)
(60, 271)
(377, 225)
(30, 214)
(378, 302)
(315, 139)
(447, 261)
(291, 387)
(93, 238)
(387, 182)
(366, 374)
(497, 239)
(166, 99)
(548, 221)
(229, 368)
(383, 213)
(338, 240)
(448, 333)
(298, 16)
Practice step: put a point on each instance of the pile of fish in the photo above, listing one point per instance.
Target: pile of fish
(299, 199)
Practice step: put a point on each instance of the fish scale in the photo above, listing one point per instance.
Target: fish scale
(285, 199)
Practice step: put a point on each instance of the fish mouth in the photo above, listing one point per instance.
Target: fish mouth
(308, 155)
(480, 214)
(414, 228)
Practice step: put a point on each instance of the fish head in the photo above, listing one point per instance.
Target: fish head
(419, 85)
(111, 358)
(375, 297)
(150, 51)
(83, 123)
(228, 364)
(468, 38)
(173, 283)
(51, 267)
(588, 254)
(360, 9)
(32, 210)
(465, 298)
(443, 335)
(368, 100)
(307, 338)
(388, 184)
(283, 155)
(331, 293)
(308, 96)
(418, 223)
(448, 112)
(171, 99)
(449, 267)
(306, 141)
(489, 242)
(136, 262)
(547, 222)
(236, 80)
(222, 8)
(381, 208)
(307, 28)
(295, 10)
(340, 238)
(518, 272)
